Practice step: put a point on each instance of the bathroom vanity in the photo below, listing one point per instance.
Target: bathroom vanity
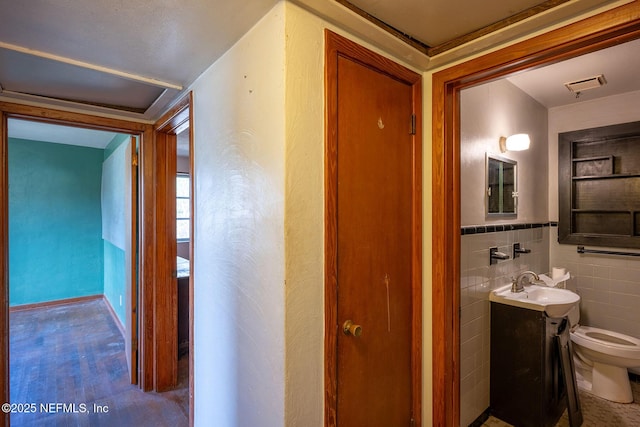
(527, 388)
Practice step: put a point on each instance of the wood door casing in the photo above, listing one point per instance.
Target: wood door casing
(373, 238)
(606, 29)
(7, 109)
(131, 290)
(164, 290)
(4, 268)
(166, 282)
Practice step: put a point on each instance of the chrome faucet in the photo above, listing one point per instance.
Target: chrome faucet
(517, 285)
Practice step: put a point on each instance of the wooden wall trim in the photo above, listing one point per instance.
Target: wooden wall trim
(604, 30)
(165, 291)
(69, 119)
(413, 42)
(114, 316)
(330, 235)
(146, 248)
(131, 265)
(179, 115)
(75, 300)
(163, 288)
(26, 112)
(191, 253)
(417, 295)
(4, 269)
(335, 46)
(513, 19)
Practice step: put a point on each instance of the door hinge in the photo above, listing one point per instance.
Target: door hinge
(413, 124)
(413, 422)
(134, 160)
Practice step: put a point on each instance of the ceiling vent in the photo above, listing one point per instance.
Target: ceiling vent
(586, 84)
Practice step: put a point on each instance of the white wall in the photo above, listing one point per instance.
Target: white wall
(609, 286)
(304, 224)
(584, 115)
(259, 200)
(182, 164)
(477, 279)
(304, 213)
(239, 134)
(259, 231)
(487, 112)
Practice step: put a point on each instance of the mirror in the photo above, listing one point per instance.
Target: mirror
(501, 188)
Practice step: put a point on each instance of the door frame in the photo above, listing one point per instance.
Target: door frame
(338, 46)
(10, 110)
(131, 264)
(607, 29)
(178, 119)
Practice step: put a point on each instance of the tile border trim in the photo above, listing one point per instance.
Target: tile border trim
(494, 228)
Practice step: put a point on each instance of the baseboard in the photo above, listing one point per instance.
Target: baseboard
(115, 317)
(45, 304)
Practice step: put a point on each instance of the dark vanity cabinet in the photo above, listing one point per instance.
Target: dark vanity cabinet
(527, 389)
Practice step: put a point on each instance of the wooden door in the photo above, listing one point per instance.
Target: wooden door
(376, 158)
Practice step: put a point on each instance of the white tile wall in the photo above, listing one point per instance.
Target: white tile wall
(609, 286)
(477, 279)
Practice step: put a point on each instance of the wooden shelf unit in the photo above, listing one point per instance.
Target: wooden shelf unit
(599, 186)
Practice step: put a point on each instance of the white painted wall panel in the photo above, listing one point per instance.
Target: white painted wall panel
(487, 112)
(608, 285)
(238, 274)
(114, 194)
(304, 213)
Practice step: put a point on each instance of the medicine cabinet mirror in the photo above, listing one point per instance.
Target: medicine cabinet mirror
(501, 186)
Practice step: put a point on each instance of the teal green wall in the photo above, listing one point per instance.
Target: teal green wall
(55, 230)
(114, 257)
(114, 278)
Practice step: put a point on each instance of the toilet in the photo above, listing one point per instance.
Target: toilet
(601, 360)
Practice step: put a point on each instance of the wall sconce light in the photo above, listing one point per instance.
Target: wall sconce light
(517, 142)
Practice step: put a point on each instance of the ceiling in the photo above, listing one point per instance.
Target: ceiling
(133, 59)
(423, 20)
(46, 132)
(129, 58)
(618, 64)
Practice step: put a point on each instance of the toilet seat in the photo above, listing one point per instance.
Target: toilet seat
(607, 342)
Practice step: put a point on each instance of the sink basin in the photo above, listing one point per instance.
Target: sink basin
(553, 301)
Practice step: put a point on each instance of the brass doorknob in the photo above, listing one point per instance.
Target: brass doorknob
(349, 328)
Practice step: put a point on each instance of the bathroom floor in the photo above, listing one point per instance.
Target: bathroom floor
(597, 412)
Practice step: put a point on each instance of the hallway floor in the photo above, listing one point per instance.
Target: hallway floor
(597, 412)
(73, 355)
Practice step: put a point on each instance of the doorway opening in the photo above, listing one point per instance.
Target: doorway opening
(173, 361)
(72, 285)
(146, 254)
(595, 33)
